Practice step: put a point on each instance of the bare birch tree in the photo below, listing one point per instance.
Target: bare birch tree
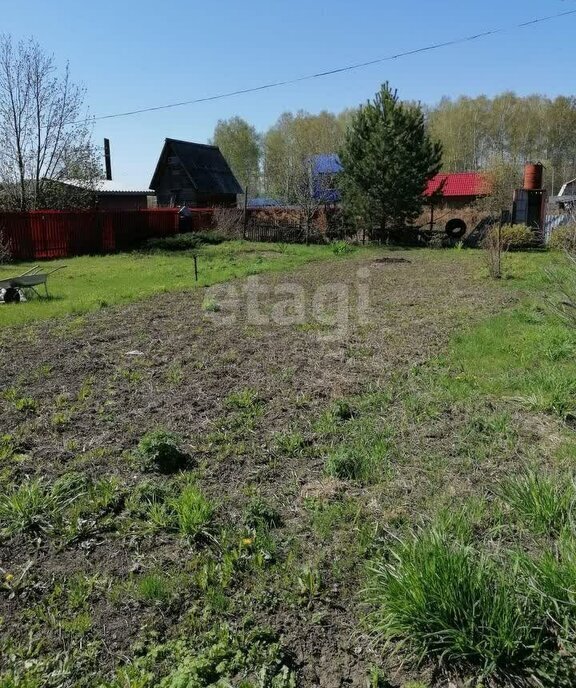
(44, 136)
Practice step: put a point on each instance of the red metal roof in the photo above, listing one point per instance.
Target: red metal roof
(458, 184)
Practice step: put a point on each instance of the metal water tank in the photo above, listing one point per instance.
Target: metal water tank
(533, 176)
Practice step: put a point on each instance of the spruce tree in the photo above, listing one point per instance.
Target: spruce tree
(388, 157)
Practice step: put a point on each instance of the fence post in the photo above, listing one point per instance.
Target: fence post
(245, 212)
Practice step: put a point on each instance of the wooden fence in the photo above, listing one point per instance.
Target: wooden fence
(42, 234)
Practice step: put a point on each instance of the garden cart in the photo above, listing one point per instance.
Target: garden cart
(11, 288)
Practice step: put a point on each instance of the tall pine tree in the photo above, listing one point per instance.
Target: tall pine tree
(388, 157)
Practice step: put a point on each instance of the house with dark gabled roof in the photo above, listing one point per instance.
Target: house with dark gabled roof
(194, 174)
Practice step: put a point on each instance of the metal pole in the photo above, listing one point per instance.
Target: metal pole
(195, 268)
(245, 212)
(499, 271)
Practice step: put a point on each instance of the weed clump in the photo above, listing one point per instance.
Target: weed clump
(355, 463)
(27, 508)
(343, 410)
(193, 512)
(496, 615)
(152, 588)
(542, 503)
(188, 513)
(259, 514)
(243, 399)
(342, 248)
(160, 451)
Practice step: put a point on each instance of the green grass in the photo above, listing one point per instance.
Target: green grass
(188, 512)
(486, 592)
(161, 451)
(526, 354)
(544, 504)
(437, 597)
(152, 587)
(89, 283)
(193, 511)
(27, 508)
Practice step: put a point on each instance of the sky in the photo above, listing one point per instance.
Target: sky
(131, 55)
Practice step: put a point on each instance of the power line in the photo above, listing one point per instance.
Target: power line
(329, 72)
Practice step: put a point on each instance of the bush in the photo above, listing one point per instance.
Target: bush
(229, 222)
(563, 239)
(515, 237)
(160, 451)
(187, 241)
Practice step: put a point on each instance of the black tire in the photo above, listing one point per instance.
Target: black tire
(11, 295)
(455, 228)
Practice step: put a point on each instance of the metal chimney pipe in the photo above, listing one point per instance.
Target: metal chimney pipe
(107, 159)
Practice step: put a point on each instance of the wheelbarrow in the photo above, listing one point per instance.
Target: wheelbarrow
(10, 289)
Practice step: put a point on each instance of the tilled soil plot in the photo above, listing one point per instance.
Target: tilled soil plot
(231, 370)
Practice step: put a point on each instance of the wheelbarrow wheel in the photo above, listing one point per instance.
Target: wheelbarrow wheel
(11, 295)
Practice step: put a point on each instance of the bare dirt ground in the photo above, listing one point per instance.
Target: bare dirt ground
(96, 385)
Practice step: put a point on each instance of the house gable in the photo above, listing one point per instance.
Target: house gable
(193, 173)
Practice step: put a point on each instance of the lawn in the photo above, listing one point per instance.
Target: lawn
(91, 282)
(210, 496)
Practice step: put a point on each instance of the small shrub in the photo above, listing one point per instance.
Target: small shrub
(563, 280)
(493, 250)
(514, 237)
(542, 503)
(229, 222)
(563, 239)
(260, 514)
(439, 240)
(160, 451)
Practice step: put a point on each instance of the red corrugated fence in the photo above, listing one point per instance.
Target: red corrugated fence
(43, 234)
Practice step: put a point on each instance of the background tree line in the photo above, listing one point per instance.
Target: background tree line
(495, 134)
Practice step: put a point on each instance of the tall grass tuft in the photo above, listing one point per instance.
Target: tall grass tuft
(543, 504)
(35, 506)
(193, 512)
(27, 508)
(439, 598)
